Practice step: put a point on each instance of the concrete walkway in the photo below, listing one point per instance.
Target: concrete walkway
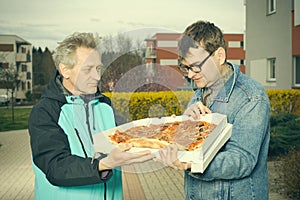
(149, 181)
(16, 175)
(17, 178)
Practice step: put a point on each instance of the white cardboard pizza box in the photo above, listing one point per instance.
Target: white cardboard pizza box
(200, 164)
(200, 157)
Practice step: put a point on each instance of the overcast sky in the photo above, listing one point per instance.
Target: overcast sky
(44, 23)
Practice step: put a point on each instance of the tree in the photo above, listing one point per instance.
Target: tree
(118, 57)
(43, 68)
(9, 79)
(47, 65)
(36, 69)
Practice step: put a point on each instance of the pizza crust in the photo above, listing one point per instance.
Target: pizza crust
(148, 143)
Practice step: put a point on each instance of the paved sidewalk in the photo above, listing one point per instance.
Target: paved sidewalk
(17, 178)
(147, 181)
(16, 175)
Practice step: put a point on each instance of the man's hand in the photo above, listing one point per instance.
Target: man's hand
(196, 110)
(170, 158)
(119, 157)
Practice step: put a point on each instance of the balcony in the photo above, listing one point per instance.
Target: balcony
(23, 57)
(150, 53)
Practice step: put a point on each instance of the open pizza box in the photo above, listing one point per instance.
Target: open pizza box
(200, 157)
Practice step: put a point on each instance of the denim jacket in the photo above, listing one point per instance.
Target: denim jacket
(239, 170)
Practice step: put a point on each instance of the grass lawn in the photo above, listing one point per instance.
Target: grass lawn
(20, 122)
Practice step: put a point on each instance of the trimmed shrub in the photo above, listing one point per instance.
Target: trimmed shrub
(285, 133)
(290, 174)
(284, 101)
(138, 105)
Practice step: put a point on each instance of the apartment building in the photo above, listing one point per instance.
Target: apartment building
(162, 49)
(16, 53)
(272, 41)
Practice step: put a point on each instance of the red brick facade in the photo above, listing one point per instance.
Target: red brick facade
(156, 53)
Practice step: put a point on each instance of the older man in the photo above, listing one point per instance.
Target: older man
(61, 126)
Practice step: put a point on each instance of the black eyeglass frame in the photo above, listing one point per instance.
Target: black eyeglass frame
(199, 66)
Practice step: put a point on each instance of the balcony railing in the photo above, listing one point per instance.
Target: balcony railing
(23, 57)
(150, 53)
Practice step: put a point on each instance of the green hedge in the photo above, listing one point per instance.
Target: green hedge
(289, 171)
(285, 112)
(138, 105)
(285, 133)
(284, 101)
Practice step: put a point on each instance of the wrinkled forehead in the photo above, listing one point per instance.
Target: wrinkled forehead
(194, 55)
(93, 57)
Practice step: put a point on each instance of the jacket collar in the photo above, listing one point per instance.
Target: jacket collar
(225, 92)
(84, 98)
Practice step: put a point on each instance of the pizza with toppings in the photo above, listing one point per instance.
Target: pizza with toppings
(188, 135)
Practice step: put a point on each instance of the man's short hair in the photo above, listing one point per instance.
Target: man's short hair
(201, 33)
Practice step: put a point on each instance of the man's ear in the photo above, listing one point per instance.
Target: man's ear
(64, 70)
(221, 55)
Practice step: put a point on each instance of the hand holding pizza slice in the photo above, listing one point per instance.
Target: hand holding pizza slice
(120, 156)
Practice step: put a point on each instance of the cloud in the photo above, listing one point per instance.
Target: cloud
(41, 21)
(95, 20)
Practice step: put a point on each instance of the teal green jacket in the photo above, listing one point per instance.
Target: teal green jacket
(61, 128)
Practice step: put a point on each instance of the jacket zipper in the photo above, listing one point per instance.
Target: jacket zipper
(77, 133)
(87, 121)
(104, 190)
(91, 137)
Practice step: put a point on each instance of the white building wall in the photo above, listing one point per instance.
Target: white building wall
(269, 36)
(11, 58)
(297, 12)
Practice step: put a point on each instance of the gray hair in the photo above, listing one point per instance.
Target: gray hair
(65, 53)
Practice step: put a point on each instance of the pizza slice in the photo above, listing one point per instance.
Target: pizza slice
(188, 135)
(154, 136)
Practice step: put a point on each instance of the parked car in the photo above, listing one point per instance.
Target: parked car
(4, 100)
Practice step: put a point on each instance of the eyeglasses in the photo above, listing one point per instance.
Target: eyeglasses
(194, 68)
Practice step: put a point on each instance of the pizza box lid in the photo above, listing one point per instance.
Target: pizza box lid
(222, 132)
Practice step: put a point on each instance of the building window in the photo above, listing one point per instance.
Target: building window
(271, 7)
(6, 47)
(4, 65)
(169, 62)
(167, 43)
(28, 75)
(23, 50)
(28, 85)
(297, 71)
(271, 69)
(24, 68)
(234, 44)
(23, 86)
